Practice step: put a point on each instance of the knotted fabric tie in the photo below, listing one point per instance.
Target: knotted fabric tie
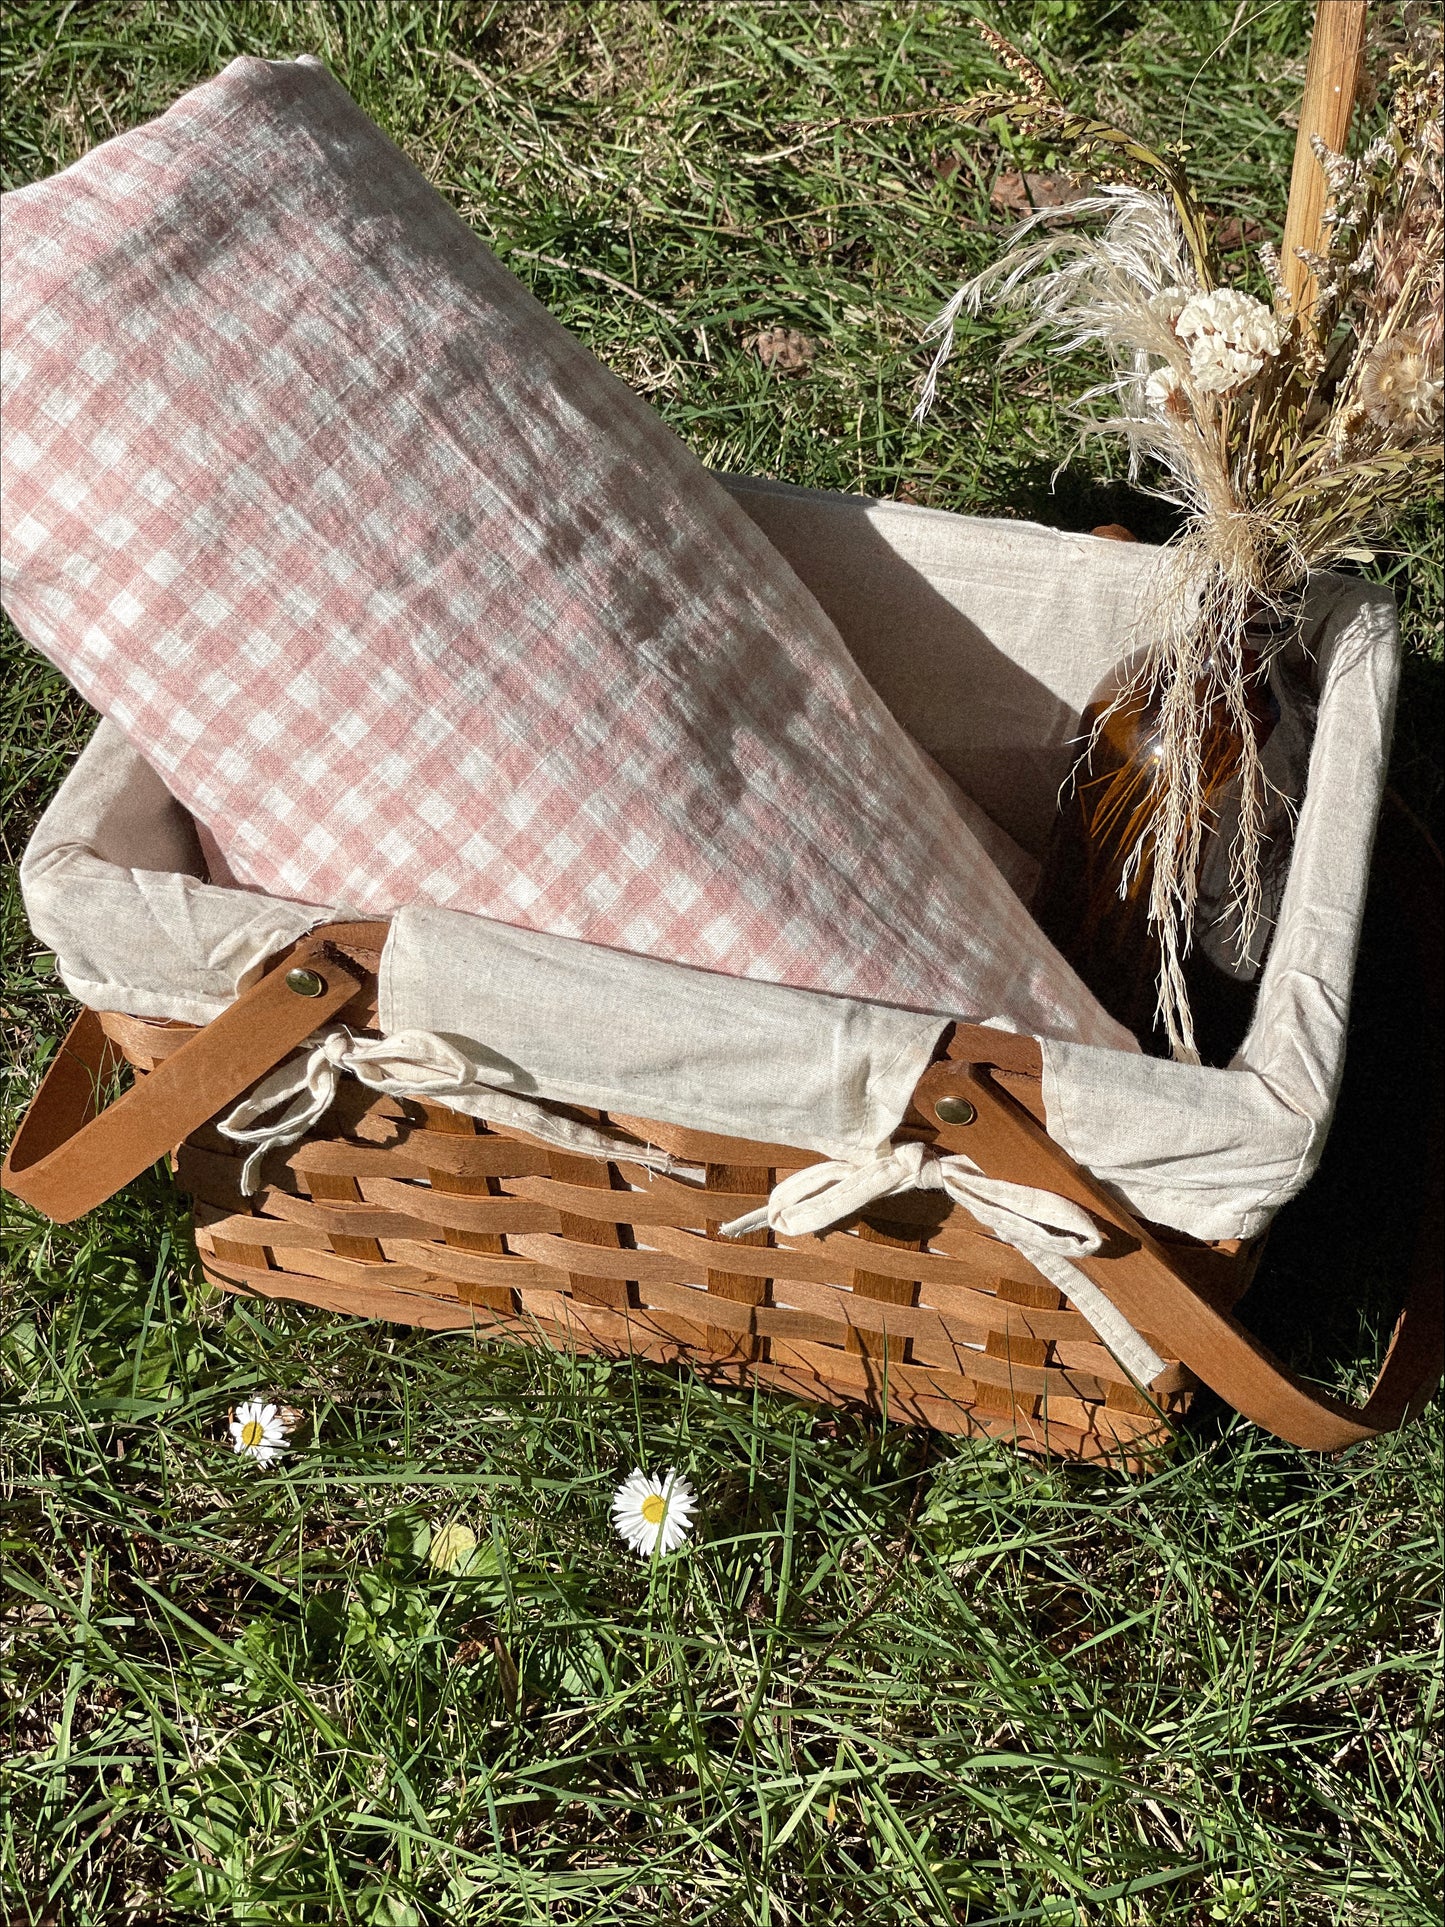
(410, 1063)
(1048, 1230)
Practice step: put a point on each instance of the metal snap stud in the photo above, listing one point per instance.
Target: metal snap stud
(954, 1110)
(305, 983)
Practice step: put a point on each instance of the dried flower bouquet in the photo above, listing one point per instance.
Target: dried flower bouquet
(1293, 434)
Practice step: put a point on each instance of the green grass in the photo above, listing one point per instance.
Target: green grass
(895, 1678)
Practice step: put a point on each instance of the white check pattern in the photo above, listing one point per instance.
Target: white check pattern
(408, 599)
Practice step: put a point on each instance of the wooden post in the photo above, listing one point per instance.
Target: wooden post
(1332, 80)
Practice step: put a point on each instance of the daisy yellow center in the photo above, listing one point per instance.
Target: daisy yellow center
(654, 1508)
(253, 1432)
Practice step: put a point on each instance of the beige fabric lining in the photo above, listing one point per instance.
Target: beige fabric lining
(984, 638)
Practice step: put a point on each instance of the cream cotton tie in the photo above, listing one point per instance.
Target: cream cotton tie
(410, 1063)
(1048, 1230)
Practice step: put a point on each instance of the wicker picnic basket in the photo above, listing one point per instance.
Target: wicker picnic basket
(408, 1211)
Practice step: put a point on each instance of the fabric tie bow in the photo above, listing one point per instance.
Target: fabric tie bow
(1046, 1229)
(410, 1063)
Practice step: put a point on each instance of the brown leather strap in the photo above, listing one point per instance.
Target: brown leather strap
(1138, 1274)
(71, 1152)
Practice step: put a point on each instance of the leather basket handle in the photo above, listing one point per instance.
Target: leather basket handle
(73, 1151)
(1148, 1288)
(1146, 1284)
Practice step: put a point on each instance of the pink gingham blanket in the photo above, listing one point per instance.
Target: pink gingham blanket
(407, 598)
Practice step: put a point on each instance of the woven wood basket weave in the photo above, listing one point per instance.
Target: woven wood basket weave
(404, 1210)
(407, 1211)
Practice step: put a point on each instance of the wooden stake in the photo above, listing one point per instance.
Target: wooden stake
(1332, 80)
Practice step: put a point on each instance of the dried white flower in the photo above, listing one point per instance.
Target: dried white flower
(1399, 387)
(257, 1431)
(1339, 172)
(1161, 388)
(1169, 305)
(1274, 270)
(1325, 272)
(653, 1514)
(1076, 286)
(1230, 336)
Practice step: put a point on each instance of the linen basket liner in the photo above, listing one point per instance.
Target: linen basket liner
(111, 883)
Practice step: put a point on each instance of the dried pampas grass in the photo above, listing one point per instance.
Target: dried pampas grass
(1290, 440)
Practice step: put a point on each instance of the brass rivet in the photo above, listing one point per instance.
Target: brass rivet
(954, 1110)
(305, 983)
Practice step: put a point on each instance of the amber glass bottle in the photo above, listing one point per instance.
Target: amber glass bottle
(1102, 926)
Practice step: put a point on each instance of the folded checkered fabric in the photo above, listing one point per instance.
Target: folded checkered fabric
(408, 599)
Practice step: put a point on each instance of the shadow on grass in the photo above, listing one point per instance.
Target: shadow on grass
(1071, 498)
(1333, 1275)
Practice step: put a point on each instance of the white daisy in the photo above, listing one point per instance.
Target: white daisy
(257, 1431)
(652, 1514)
